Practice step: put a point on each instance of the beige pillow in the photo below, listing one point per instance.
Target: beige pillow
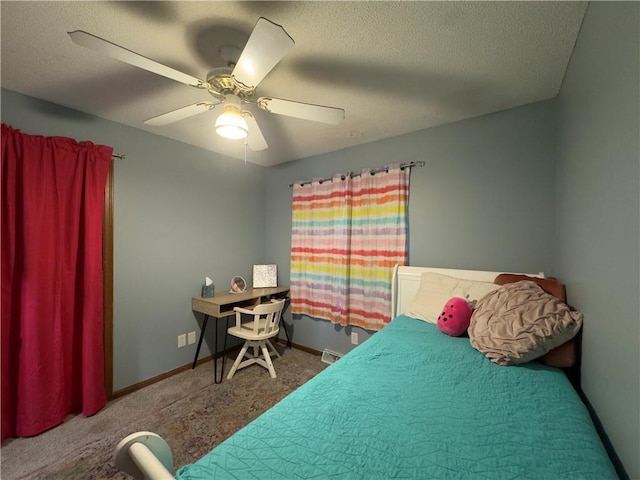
(521, 322)
(435, 289)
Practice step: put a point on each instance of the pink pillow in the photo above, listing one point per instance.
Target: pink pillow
(455, 317)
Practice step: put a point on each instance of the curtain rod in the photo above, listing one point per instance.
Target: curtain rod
(419, 163)
(118, 156)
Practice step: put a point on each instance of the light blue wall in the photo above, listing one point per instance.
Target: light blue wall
(598, 203)
(484, 200)
(181, 213)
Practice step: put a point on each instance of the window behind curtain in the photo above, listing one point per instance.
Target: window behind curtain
(347, 234)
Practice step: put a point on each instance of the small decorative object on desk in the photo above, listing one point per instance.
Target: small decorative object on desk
(265, 276)
(238, 285)
(207, 288)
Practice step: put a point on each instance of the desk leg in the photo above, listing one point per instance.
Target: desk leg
(284, 325)
(204, 327)
(215, 354)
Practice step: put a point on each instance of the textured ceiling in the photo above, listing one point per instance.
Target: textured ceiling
(395, 67)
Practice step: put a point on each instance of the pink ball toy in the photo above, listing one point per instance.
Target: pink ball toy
(455, 317)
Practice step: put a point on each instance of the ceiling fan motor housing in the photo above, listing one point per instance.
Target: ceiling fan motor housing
(221, 83)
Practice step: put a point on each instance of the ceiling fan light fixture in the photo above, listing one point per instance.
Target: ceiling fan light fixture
(230, 124)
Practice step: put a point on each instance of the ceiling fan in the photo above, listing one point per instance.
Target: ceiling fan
(232, 86)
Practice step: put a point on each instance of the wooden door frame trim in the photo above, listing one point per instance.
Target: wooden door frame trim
(107, 283)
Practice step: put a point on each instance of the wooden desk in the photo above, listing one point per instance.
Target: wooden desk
(222, 305)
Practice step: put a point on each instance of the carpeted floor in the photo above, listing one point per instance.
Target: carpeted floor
(191, 412)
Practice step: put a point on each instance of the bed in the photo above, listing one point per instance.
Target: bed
(410, 402)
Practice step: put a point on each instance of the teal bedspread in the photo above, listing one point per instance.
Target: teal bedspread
(413, 403)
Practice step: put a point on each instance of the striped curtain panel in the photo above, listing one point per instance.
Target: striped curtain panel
(347, 234)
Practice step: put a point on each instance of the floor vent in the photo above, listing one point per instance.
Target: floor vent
(330, 357)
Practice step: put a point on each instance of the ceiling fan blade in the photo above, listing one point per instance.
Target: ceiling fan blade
(180, 114)
(307, 111)
(112, 50)
(255, 139)
(266, 46)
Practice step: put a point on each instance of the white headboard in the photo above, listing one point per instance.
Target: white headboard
(406, 281)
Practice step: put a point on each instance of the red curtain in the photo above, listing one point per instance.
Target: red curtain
(52, 325)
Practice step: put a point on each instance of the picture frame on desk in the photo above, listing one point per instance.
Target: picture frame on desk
(265, 276)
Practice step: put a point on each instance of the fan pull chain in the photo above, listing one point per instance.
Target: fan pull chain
(245, 150)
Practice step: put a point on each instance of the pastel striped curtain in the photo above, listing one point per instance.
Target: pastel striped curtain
(347, 234)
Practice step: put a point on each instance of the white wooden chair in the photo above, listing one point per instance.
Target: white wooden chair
(265, 325)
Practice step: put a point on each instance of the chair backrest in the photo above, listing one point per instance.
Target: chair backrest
(268, 315)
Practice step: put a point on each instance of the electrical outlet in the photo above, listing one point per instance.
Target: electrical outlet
(191, 338)
(182, 340)
(354, 338)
